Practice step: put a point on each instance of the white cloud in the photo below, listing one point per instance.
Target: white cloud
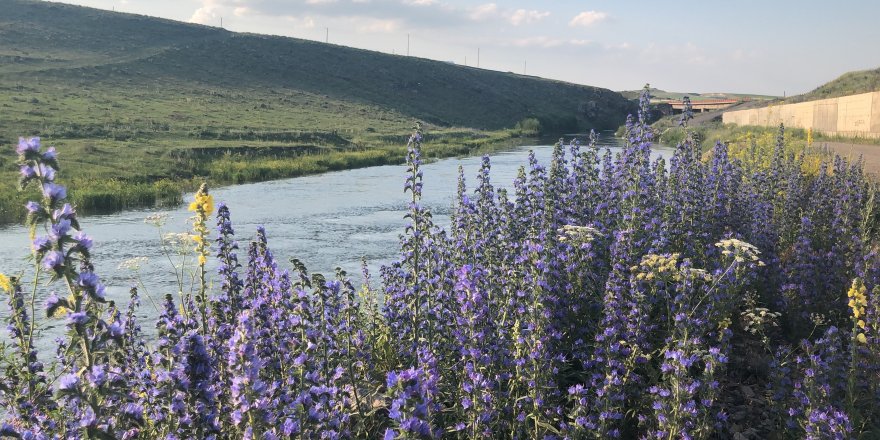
(676, 54)
(548, 42)
(622, 46)
(522, 16)
(377, 26)
(304, 23)
(419, 2)
(319, 2)
(241, 11)
(588, 18)
(207, 14)
(483, 12)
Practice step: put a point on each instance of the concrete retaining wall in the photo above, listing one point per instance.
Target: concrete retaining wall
(850, 116)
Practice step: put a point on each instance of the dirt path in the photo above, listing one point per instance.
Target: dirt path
(870, 154)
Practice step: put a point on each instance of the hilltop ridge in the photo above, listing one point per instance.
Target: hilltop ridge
(850, 83)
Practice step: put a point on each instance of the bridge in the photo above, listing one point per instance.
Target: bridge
(703, 105)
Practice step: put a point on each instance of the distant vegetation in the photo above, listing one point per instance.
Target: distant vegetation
(159, 104)
(663, 94)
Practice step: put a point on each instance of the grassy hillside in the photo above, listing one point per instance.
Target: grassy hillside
(150, 104)
(64, 42)
(850, 83)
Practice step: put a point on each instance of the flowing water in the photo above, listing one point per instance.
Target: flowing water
(327, 220)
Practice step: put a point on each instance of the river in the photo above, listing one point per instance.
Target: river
(326, 220)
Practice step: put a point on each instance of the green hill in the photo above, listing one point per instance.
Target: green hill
(62, 43)
(142, 107)
(850, 83)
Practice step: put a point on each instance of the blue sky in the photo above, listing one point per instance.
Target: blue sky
(768, 47)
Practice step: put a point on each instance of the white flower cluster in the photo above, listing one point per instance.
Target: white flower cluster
(133, 263)
(755, 319)
(740, 250)
(158, 220)
(697, 274)
(178, 241)
(578, 234)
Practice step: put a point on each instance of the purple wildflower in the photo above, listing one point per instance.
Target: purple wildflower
(53, 260)
(28, 145)
(32, 207)
(54, 192)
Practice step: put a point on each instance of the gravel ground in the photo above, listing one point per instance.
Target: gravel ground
(869, 153)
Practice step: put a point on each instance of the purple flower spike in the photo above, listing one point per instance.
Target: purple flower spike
(25, 145)
(54, 192)
(27, 172)
(32, 207)
(52, 301)
(41, 244)
(84, 240)
(68, 382)
(77, 318)
(65, 212)
(98, 375)
(88, 280)
(47, 172)
(50, 154)
(59, 230)
(53, 260)
(115, 329)
(88, 417)
(8, 430)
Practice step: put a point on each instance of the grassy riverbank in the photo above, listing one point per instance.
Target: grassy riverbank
(106, 175)
(129, 144)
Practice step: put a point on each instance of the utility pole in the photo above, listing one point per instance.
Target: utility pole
(478, 57)
(221, 22)
(407, 44)
(327, 35)
(465, 60)
(524, 66)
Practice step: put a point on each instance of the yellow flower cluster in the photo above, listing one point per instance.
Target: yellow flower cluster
(203, 205)
(61, 311)
(858, 301)
(204, 202)
(654, 265)
(5, 283)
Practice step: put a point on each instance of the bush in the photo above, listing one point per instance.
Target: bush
(602, 297)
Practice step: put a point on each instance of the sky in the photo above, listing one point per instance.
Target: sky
(773, 47)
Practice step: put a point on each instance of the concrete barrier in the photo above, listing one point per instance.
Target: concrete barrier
(849, 116)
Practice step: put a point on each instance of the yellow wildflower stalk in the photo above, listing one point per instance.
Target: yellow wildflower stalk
(5, 283)
(203, 206)
(858, 302)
